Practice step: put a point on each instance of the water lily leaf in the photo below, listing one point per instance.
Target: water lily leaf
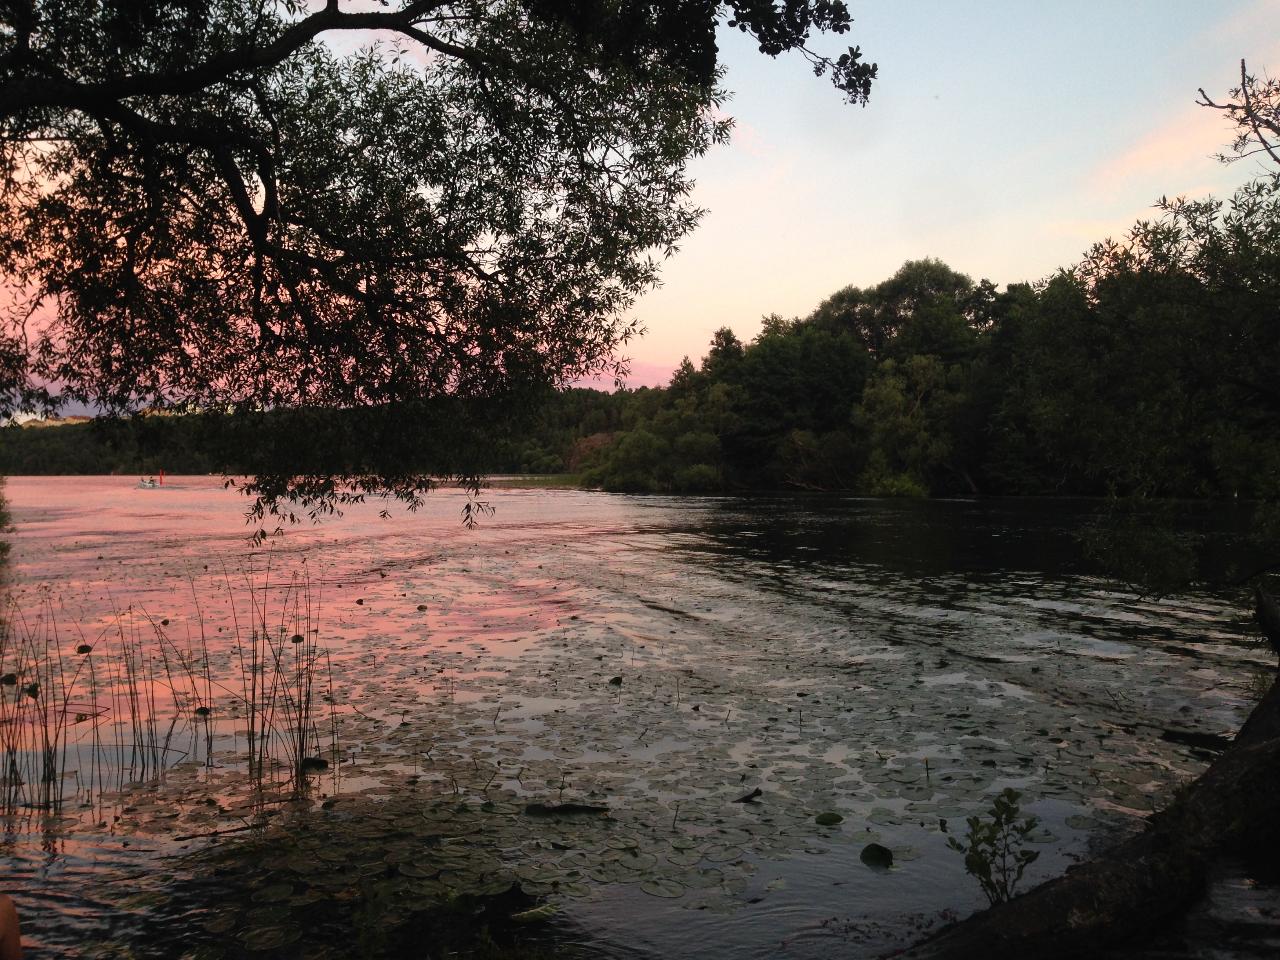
(875, 855)
(719, 853)
(663, 887)
(270, 938)
(420, 871)
(565, 809)
(274, 893)
(685, 858)
(538, 888)
(539, 872)
(536, 915)
(634, 860)
(609, 872)
(828, 819)
(222, 923)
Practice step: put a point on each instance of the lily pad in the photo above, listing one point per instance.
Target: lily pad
(270, 938)
(663, 887)
(274, 893)
(877, 856)
(723, 853)
(685, 858)
(417, 870)
(221, 923)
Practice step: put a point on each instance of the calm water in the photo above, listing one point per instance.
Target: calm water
(896, 664)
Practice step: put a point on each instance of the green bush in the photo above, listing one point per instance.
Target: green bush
(699, 478)
(993, 849)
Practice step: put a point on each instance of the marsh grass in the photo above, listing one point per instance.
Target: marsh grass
(88, 710)
(280, 665)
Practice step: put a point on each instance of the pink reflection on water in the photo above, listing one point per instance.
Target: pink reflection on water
(104, 544)
(401, 608)
(412, 608)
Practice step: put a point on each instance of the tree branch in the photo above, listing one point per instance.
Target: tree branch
(1251, 113)
(30, 91)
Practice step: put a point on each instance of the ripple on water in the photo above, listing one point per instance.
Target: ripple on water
(753, 651)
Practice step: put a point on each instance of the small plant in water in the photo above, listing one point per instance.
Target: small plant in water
(993, 851)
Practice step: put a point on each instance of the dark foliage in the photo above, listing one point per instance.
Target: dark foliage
(207, 205)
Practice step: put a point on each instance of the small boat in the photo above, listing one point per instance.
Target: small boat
(148, 483)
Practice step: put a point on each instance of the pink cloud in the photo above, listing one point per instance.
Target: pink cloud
(1187, 139)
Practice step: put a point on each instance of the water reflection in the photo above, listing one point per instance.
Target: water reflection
(895, 663)
(925, 538)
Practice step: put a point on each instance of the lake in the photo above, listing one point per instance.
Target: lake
(877, 670)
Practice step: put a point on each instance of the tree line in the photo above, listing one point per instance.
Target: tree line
(1148, 369)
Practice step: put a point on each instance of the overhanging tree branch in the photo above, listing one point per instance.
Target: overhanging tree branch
(220, 210)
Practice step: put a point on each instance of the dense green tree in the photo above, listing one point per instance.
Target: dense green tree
(1142, 370)
(794, 375)
(919, 288)
(903, 420)
(637, 463)
(724, 359)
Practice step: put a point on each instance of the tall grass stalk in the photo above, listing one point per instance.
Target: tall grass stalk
(136, 698)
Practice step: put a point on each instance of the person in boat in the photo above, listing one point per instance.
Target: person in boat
(10, 937)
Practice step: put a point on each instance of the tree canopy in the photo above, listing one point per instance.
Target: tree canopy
(255, 204)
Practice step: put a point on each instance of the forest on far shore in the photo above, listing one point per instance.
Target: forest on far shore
(1149, 369)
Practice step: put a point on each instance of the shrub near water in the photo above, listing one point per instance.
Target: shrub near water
(993, 851)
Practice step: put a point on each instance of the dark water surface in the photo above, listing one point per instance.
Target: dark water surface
(897, 664)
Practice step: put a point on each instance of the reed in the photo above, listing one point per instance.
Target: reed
(85, 714)
(35, 693)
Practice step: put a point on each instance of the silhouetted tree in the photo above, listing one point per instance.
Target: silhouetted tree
(215, 207)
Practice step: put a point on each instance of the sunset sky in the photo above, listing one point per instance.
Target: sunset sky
(1003, 137)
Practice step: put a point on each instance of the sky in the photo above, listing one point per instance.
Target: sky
(1003, 137)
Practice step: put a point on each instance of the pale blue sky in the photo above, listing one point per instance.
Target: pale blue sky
(1002, 137)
